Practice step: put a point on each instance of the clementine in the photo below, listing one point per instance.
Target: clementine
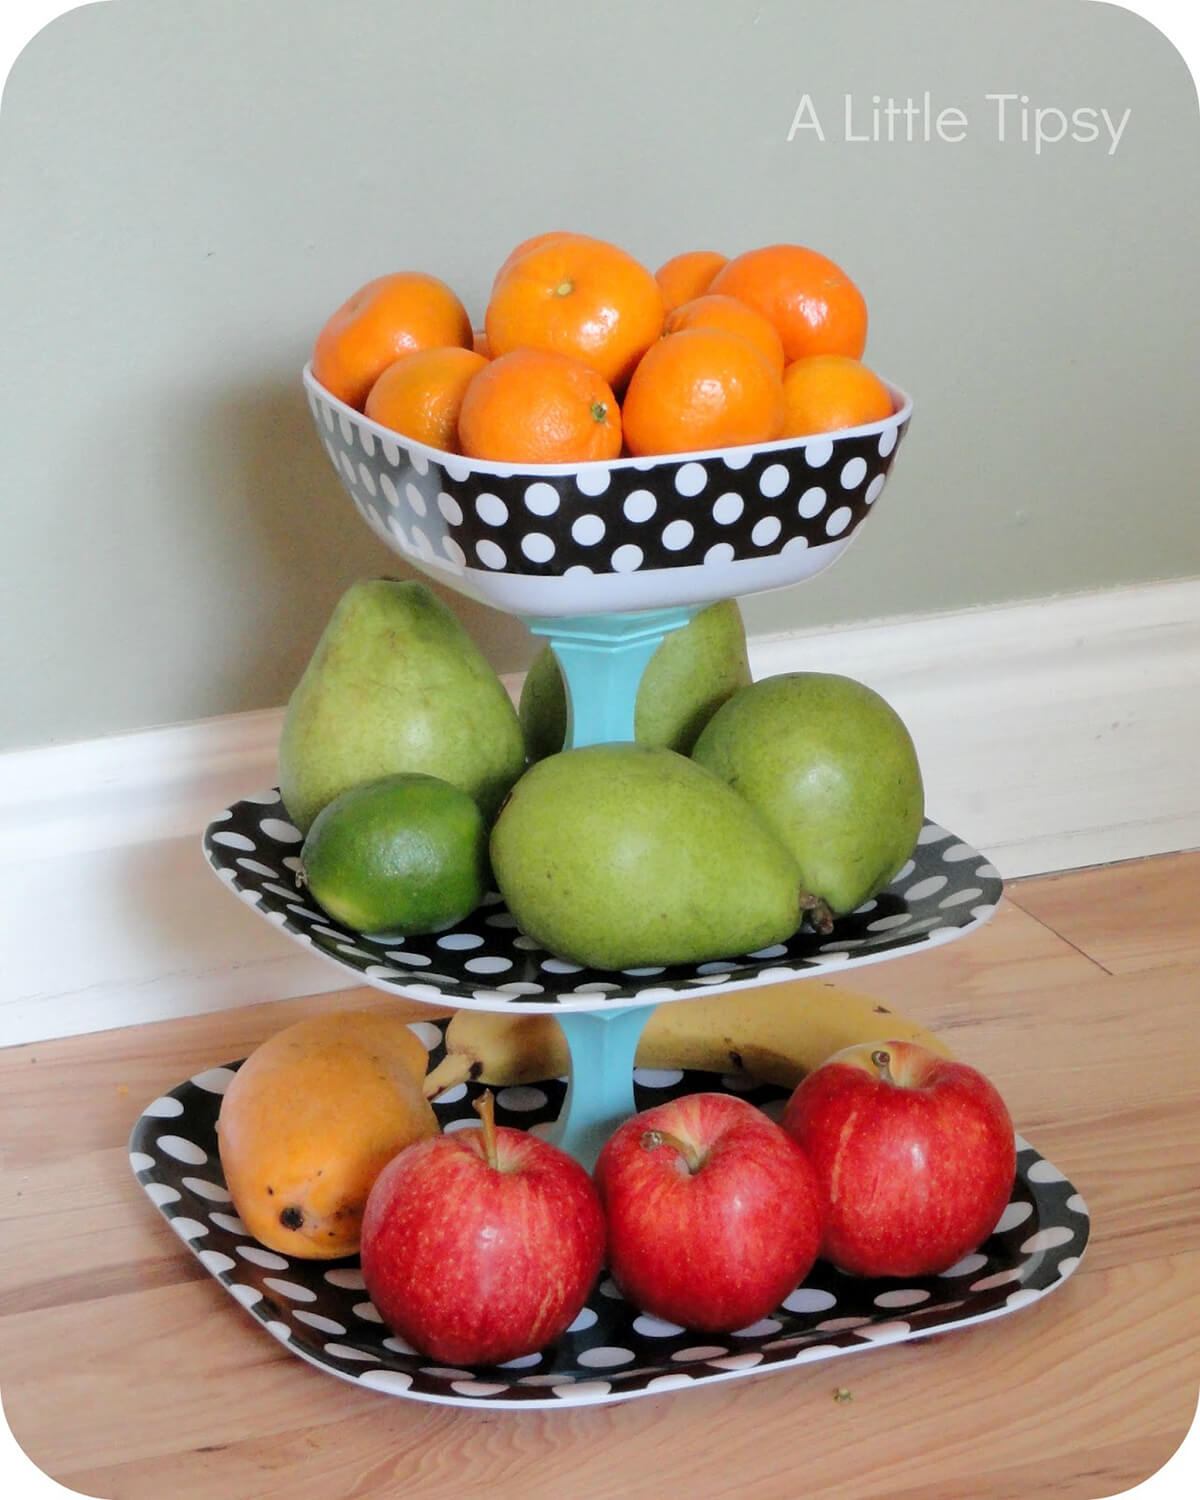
(578, 296)
(388, 317)
(828, 392)
(538, 406)
(534, 242)
(419, 394)
(698, 389)
(714, 311)
(813, 304)
(688, 275)
(479, 343)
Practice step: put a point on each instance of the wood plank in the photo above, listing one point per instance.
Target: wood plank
(995, 979)
(1128, 917)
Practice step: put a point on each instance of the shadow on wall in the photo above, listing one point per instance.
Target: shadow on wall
(295, 544)
(264, 507)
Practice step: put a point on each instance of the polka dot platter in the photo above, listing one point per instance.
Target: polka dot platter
(605, 537)
(485, 963)
(320, 1311)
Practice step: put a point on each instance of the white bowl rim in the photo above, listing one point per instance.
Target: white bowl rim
(495, 469)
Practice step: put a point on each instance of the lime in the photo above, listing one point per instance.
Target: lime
(400, 856)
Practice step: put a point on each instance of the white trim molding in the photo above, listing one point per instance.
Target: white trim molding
(1052, 734)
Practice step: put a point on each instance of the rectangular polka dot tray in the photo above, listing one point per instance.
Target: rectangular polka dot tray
(320, 1312)
(945, 891)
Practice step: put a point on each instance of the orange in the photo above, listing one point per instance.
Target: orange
(534, 242)
(702, 388)
(813, 304)
(688, 275)
(829, 392)
(388, 317)
(419, 395)
(479, 343)
(715, 311)
(578, 296)
(537, 406)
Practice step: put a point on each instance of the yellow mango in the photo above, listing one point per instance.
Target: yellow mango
(309, 1121)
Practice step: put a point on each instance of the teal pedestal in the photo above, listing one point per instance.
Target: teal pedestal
(602, 659)
(602, 1045)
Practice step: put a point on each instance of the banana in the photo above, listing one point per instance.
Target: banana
(775, 1034)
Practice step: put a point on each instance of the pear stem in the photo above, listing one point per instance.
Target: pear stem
(882, 1061)
(816, 910)
(652, 1139)
(485, 1108)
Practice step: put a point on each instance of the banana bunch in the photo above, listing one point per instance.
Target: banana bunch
(774, 1034)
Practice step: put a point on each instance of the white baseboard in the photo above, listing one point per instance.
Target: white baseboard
(1052, 735)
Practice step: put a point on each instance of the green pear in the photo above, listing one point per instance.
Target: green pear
(695, 669)
(624, 855)
(396, 684)
(832, 768)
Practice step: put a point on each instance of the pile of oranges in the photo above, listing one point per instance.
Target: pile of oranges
(585, 354)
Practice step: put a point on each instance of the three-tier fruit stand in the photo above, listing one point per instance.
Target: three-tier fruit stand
(602, 559)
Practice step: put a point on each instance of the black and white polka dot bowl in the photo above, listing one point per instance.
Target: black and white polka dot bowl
(319, 1311)
(629, 534)
(946, 890)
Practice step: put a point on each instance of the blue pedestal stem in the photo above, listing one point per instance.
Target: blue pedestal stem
(602, 659)
(602, 1045)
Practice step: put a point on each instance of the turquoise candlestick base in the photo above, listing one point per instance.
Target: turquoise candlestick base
(602, 659)
(602, 1044)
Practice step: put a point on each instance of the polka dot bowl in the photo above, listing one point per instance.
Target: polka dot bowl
(320, 1312)
(607, 537)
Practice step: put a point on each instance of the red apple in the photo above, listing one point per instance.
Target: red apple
(915, 1155)
(713, 1213)
(482, 1245)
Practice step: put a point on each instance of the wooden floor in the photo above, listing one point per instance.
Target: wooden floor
(126, 1372)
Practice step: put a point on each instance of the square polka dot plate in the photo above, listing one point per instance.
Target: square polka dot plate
(945, 891)
(608, 536)
(320, 1311)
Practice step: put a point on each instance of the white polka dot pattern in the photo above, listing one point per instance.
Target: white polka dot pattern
(485, 963)
(728, 508)
(666, 512)
(612, 1350)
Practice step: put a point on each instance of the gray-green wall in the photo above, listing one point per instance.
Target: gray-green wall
(187, 188)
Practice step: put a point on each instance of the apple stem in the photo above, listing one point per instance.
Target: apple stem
(882, 1061)
(816, 910)
(653, 1139)
(485, 1108)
